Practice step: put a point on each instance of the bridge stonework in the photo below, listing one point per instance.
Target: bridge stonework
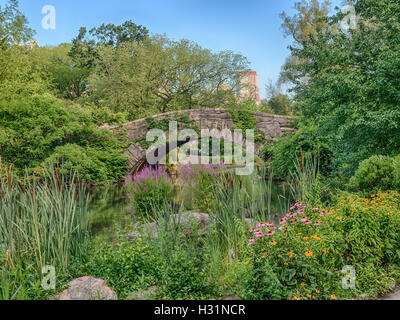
(273, 127)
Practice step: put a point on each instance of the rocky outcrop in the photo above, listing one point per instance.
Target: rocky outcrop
(87, 288)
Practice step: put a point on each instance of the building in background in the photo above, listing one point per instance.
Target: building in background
(248, 86)
(29, 45)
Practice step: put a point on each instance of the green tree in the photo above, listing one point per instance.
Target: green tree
(304, 27)
(163, 75)
(352, 88)
(13, 25)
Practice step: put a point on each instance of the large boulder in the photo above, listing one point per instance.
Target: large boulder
(87, 288)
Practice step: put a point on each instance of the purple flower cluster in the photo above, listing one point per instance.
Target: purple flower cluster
(188, 171)
(146, 178)
(298, 209)
(259, 232)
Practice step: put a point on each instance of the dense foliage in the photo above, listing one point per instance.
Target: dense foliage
(346, 83)
(377, 173)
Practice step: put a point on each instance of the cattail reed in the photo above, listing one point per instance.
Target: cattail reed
(9, 177)
(21, 186)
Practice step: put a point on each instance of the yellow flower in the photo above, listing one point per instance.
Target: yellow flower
(333, 296)
(286, 264)
(246, 263)
(298, 234)
(308, 253)
(290, 254)
(339, 218)
(308, 296)
(316, 237)
(305, 238)
(274, 243)
(317, 291)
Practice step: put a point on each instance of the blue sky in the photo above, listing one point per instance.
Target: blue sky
(252, 27)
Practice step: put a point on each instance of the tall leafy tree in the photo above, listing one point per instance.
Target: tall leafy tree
(13, 25)
(159, 75)
(348, 83)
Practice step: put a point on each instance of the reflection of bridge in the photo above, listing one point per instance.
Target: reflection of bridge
(273, 126)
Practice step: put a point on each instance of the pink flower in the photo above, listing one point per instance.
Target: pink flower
(252, 230)
(251, 241)
(259, 234)
(262, 224)
(317, 224)
(307, 222)
(315, 209)
(270, 233)
(282, 221)
(304, 219)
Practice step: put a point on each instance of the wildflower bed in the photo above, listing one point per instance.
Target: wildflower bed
(305, 256)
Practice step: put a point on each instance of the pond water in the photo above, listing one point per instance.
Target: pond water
(109, 209)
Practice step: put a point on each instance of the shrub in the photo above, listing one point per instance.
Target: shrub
(285, 152)
(373, 174)
(148, 190)
(127, 267)
(96, 164)
(311, 247)
(38, 130)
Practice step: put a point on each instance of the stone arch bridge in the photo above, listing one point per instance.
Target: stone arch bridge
(273, 127)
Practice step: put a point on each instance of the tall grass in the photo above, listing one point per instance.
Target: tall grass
(44, 222)
(304, 178)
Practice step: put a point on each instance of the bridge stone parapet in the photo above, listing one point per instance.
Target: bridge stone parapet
(273, 127)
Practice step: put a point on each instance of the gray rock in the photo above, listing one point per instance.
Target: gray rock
(87, 288)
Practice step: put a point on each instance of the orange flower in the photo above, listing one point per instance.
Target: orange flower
(274, 243)
(290, 254)
(333, 296)
(308, 253)
(316, 237)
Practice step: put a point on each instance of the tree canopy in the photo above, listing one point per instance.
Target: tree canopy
(346, 82)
